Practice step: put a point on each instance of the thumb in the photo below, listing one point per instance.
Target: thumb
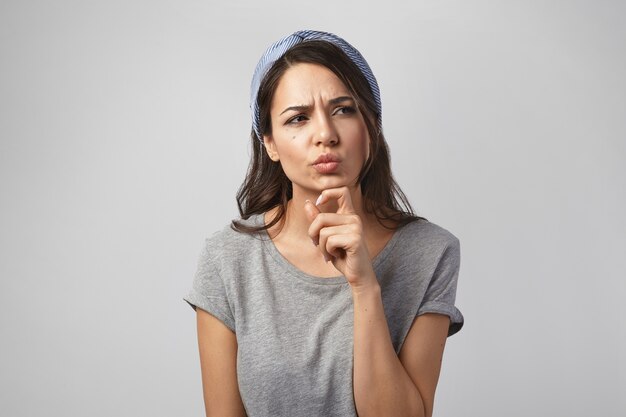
(310, 210)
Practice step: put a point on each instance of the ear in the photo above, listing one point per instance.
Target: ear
(270, 148)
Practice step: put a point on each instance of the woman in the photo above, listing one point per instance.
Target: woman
(326, 298)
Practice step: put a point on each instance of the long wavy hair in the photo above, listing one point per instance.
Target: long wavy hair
(266, 186)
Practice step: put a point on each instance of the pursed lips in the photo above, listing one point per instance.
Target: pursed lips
(326, 163)
(325, 158)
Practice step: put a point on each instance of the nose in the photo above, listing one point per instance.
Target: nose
(325, 131)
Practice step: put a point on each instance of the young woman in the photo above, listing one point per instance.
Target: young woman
(326, 297)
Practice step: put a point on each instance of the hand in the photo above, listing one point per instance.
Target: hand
(339, 236)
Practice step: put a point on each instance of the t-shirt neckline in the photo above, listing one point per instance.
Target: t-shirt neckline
(278, 257)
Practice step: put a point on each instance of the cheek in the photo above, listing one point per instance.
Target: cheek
(365, 142)
(360, 144)
(292, 157)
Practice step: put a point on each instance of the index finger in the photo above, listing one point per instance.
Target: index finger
(342, 195)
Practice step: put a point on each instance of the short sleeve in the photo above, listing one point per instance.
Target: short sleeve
(208, 291)
(441, 292)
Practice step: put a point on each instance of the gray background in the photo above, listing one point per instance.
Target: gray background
(124, 137)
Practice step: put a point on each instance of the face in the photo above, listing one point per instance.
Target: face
(313, 114)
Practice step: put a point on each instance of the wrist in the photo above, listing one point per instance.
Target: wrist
(367, 287)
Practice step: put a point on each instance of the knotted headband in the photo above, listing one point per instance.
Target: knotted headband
(279, 48)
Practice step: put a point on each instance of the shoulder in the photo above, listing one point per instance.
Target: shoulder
(423, 244)
(424, 233)
(227, 243)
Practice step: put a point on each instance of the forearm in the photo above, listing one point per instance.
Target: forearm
(382, 387)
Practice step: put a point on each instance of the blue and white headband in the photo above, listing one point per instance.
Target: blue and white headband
(279, 48)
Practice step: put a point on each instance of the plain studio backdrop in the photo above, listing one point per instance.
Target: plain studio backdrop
(124, 132)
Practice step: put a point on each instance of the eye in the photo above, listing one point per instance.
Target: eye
(345, 110)
(296, 119)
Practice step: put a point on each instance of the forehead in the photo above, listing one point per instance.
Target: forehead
(304, 83)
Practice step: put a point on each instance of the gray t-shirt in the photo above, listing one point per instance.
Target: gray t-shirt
(295, 331)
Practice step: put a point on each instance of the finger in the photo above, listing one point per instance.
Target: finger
(338, 245)
(324, 220)
(311, 210)
(341, 194)
(329, 233)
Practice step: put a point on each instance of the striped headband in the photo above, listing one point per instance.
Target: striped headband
(279, 48)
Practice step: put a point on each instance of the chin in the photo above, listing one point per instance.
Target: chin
(323, 182)
(336, 183)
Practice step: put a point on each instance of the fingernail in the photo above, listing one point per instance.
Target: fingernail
(317, 202)
(326, 258)
(314, 242)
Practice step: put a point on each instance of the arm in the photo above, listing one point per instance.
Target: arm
(385, 384)
(218, 362)
(422, 353)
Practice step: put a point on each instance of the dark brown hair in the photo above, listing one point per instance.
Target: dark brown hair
(266, 186)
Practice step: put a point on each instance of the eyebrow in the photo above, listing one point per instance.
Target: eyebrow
(306, 107)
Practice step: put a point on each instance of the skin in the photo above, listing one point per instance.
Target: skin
(312, 113)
